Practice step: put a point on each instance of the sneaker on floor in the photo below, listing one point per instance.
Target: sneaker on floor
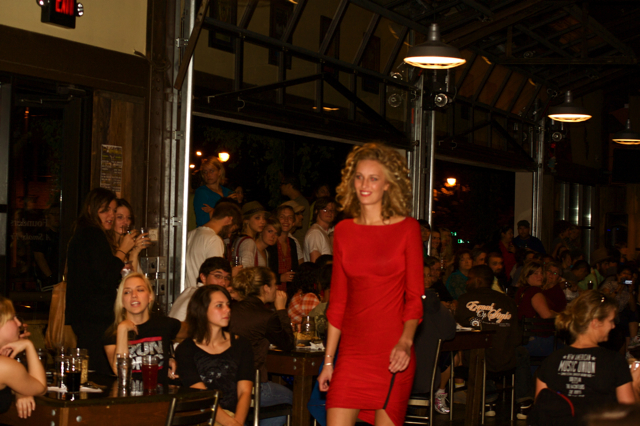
(489, 409)
(523, 409)
(440, 403)
(460, 397)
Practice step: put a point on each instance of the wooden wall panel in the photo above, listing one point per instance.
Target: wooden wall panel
(119, 120)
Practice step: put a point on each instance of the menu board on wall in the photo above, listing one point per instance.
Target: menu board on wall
(111, 168)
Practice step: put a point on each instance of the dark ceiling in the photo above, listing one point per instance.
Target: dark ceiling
(582, 46)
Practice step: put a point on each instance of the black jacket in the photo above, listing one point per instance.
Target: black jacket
(498, 312)
(92, 279)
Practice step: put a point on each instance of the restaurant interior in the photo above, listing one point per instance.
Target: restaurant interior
(132, 94)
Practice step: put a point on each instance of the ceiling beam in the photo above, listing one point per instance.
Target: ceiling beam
(542, 40)
(472, 33)
(480, 8)
(601, 31)
(334, 26)
(395, 17)
(373, 24)
(293, 22)
(609, 60)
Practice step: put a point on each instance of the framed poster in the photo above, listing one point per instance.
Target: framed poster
(225, 11)
(334, 47)
(371, 61)
(280, 13)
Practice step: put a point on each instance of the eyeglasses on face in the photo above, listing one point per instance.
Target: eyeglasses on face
(330, 211)
(219, 276)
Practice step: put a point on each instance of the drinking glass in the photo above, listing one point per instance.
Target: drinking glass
(150, 371)
(123, 369)
(73, 367)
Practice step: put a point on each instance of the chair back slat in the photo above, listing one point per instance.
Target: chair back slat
(193, 410)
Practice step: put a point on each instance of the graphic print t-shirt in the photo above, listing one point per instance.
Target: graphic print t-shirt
(217, 371)
(589, 377)
(154, 338)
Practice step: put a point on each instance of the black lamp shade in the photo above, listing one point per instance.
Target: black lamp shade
(568, 111)
(627, 136)
(434, 54)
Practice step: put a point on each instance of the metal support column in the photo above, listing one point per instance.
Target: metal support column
(418, 154)
(538, 156)
(181, 163)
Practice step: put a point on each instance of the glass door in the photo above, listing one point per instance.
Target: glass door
(40, 144)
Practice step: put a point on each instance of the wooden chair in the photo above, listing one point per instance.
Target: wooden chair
(424, 400)
(193, 410)
(257, 413)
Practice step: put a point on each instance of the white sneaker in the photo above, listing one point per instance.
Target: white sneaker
(440, 403)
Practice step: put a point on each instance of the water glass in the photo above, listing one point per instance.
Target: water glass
(123, 369)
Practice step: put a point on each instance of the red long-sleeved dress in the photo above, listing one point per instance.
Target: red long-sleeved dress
(377, 285)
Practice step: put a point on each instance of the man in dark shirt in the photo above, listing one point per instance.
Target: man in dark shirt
(526, 240)
(491, 310)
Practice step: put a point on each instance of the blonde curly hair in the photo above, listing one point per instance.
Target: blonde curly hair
(397, 200)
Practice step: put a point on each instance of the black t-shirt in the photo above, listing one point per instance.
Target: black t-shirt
(154, 338)
(589, 377)
(220, 371)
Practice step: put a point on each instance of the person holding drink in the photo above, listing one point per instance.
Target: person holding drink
(136, 333)
(213, 358)
(95, 261)
(376, 292)
(125, 221)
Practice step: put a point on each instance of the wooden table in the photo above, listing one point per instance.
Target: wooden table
(303, 365)
(108, 408)
(476, 342)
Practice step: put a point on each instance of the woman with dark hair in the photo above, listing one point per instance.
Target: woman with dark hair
(94, 261)
(316, 241)
(305, 296)
(585, 374)
(457, 281)
(212, 358)
(376, 292)
(125, 221)
(207, 196)
(283, 255)
(479, 256)
(252, 319)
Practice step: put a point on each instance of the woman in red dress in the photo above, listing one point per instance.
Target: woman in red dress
(376, 291)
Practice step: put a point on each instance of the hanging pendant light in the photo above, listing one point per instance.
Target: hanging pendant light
(568, 111)
(627, 136)
(434, 54)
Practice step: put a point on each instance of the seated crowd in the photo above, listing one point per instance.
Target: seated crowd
(252, 278)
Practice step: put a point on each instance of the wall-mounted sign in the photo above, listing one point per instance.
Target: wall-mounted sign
(111, 168)
(59, 12)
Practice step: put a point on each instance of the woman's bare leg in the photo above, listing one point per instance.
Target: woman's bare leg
(342, 416)
(382, 418)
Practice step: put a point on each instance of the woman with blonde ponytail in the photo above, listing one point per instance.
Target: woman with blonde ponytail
(253, 320)
(584, 373)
